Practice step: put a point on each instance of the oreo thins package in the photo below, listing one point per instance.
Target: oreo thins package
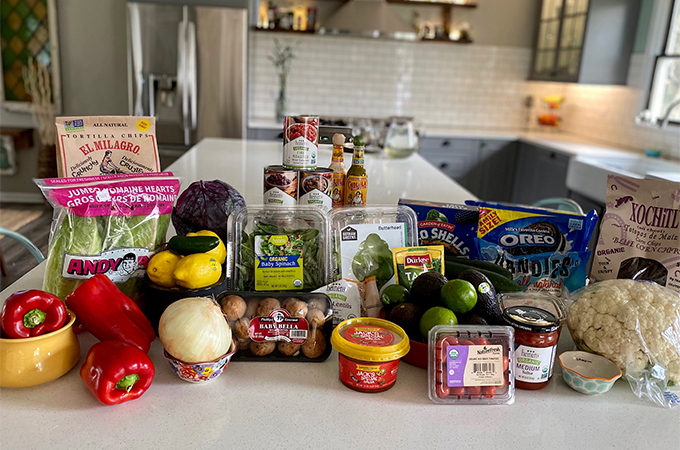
(453, 226)
(546, 250)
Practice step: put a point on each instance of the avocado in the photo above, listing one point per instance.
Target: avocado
(407, 316)
(426, 288)
(476, 319)
(487, 306)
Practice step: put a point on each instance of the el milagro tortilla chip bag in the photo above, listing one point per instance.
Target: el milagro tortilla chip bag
(106, 145)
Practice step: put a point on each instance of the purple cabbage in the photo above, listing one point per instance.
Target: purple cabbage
(206, 205)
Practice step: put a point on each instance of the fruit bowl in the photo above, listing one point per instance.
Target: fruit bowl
(158, 298)
(417, 356)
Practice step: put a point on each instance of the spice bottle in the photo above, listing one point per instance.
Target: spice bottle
(339, 170)
(356, 182)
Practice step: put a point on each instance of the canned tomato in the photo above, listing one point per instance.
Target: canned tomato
(300, 142)
(280, 186)
(316, 186)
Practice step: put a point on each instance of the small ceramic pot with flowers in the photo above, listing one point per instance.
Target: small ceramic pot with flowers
(201, 371)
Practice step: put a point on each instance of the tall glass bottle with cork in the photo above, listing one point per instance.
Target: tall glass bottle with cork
(356, 182)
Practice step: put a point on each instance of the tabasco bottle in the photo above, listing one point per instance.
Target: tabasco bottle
(356, 182)
(339, 170)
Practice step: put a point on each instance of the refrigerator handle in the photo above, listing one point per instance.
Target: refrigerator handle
(182, 82)
(192, 75)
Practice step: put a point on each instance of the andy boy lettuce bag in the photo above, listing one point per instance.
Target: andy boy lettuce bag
(106, 224)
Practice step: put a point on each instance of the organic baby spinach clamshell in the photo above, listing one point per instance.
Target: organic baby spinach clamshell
(277, 248)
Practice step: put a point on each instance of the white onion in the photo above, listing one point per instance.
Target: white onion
(195, 330)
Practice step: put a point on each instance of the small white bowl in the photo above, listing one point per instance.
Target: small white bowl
(588, 373)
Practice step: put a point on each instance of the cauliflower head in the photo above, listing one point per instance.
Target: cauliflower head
(625, 320)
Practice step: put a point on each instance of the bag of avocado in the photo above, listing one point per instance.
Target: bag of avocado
(108, 224)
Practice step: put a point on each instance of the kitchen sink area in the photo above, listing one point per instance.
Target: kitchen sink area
(587, 175)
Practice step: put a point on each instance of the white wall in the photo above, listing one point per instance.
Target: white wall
(92, 44)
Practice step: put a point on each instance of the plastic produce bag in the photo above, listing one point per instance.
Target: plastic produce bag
(636, 324)
(105, 224)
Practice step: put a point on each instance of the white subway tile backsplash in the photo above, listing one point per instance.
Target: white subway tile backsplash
(441, 85)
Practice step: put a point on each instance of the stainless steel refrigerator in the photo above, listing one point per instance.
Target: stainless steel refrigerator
(187, 67)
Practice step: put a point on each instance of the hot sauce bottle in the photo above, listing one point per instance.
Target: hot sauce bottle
(356, 182)
(339, 170)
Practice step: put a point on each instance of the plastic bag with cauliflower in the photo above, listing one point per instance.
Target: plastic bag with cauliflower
(636, 324)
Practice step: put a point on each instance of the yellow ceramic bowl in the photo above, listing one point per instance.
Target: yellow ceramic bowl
(37, 360)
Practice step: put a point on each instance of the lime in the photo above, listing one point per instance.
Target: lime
(434, 316)
(394, 294)
(459, 296)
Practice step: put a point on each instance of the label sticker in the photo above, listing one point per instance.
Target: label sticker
(143, 125)
(474, 365)
(534, 365)
(119, 264)
(279, 326)
(369, 336)
(367, 376)
(278, 262)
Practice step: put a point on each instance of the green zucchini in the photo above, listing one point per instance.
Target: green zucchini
(500, 283)
(481, 265)
(188, 245)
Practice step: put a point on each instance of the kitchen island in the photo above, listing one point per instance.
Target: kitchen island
(304, 405)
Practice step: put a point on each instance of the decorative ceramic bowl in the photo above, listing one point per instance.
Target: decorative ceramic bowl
(201, 371)
(588, 373)
(37, 360)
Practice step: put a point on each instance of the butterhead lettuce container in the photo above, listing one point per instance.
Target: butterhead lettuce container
(278, 248)
(369, 351)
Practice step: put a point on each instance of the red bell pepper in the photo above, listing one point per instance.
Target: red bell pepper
(117, 372)
(32, 313)
(109, 314)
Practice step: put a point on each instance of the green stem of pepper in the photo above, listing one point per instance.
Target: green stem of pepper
(127, 382)
(33, 318)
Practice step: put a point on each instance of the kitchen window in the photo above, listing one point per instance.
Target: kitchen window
(665, 88)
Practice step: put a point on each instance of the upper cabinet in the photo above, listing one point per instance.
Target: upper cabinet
(585, 41)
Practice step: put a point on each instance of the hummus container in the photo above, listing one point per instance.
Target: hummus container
(369, 351)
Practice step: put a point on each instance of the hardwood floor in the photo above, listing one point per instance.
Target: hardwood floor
(17, 259)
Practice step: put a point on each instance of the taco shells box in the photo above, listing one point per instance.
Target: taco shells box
(106, 145)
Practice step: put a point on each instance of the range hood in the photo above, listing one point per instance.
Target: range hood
(373, 18)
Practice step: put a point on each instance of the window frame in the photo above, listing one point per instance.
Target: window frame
(672, 21)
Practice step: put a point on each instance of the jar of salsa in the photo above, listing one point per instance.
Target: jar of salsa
(369, 351)
(536, 334)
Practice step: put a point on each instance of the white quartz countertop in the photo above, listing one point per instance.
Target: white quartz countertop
(241, 163)
(304, 405)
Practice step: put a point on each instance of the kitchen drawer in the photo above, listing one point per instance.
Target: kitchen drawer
(264, 134)
(454, 163)
(437, 145)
